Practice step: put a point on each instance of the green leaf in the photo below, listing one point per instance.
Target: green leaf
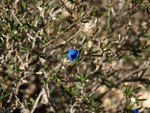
(81, 11)
(78, 76)
(41, 69)
(94, 96)
(12, 59)
(53, 69)
(73, 1)
(85, 98)
(8, 67)
(13, 73)
(24, 5)
(48, 23)
(146, 35)
(84, 21)
(32, 100)
(4, 96)
(75, 91)
(142, 99)
(136, 89)
(51, 77)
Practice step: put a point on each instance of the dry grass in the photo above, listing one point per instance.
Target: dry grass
(112, 37)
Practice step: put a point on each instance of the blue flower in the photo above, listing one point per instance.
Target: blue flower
(73, 54)
(135, 111)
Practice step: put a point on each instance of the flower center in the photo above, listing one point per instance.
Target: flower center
(73, 56)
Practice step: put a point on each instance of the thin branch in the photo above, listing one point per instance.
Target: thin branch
(59, 35)
(72, 107)
(66, 7)
(22, 106)
(12, 12)
(37, 100)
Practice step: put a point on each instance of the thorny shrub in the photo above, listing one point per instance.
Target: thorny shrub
(110, 74)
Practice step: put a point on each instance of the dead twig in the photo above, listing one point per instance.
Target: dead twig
(12, 12)
(37, 100)
(22, 106)
(66, 7)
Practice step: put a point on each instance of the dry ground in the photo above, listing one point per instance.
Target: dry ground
(112, 36)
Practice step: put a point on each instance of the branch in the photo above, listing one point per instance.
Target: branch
(37, 100)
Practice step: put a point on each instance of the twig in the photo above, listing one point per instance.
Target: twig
(65, 42)
(71, 109)
(59, 34)
(12, 12)
(128, 75)
(71, 26)
(95, 21)
(22, 106)
(37, 100)
(21, 61)
(143, 72)
(33, 38)
(66, 7)
(48, 92)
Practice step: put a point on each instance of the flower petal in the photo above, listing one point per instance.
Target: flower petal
(69, 55)
(135, 111)
(76, 53)
(72, 59)
(71, 51)
(73, 54)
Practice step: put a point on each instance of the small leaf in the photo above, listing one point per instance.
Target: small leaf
(32, 100)
(51, 78)
(73, 1)
(142, 99)
(136, 89)
(41, 69)
(4, 96)
(78, 76)
(81, 11)
(12, 59)
(48, 23)
(9, 67)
